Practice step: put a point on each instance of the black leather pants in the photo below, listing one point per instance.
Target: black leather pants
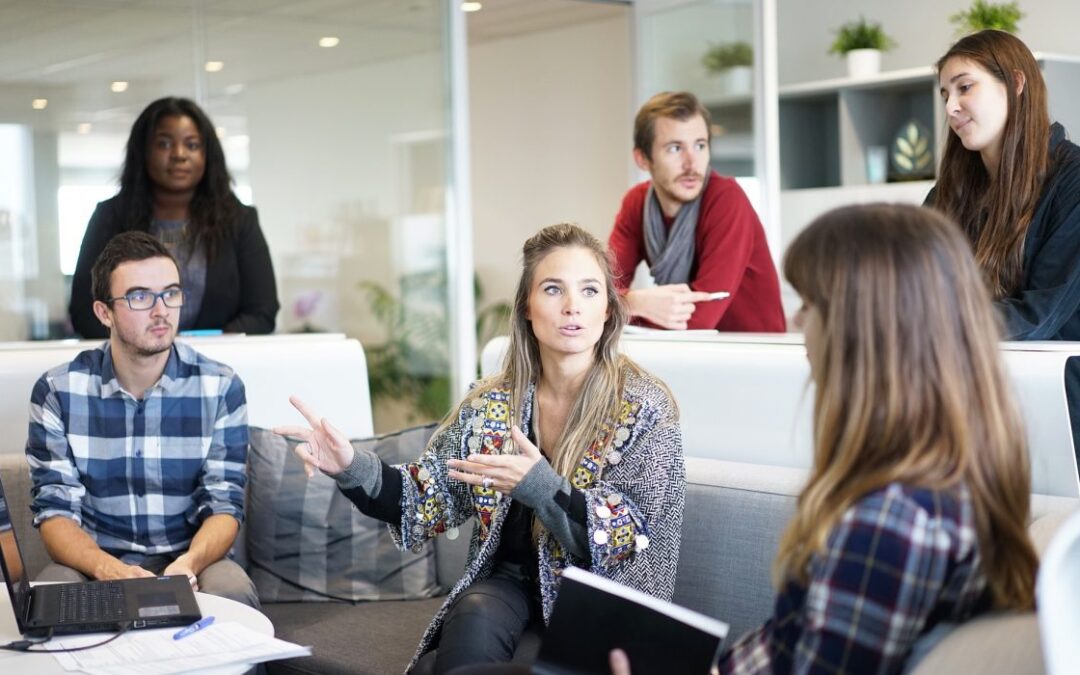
(485, 623)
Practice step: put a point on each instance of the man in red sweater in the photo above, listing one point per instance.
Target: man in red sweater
(695, 228)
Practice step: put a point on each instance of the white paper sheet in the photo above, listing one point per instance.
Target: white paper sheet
(157, 653)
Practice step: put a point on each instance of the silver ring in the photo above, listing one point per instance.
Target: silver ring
(486, 482)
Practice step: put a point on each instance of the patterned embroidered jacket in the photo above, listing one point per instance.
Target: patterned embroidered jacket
(634, 493)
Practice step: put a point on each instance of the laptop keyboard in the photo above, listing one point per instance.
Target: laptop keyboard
(98, 601)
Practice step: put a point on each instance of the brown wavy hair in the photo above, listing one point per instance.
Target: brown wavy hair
(996, 212)
(677, 105)
(910, 385)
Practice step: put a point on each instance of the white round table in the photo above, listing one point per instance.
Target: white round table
(222, 609)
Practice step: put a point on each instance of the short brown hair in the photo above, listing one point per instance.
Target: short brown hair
(124, 247)
(679, 105)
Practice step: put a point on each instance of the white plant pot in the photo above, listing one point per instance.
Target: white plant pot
(737, 80)
(863, 62)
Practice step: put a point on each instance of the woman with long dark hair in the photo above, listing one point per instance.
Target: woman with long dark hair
(916, 507)
(176, 186)
(1011, 179)
(571, 455)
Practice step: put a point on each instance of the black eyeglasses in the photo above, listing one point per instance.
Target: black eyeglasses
(140, 301)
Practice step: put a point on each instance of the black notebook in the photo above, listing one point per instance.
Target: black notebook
(593, 615)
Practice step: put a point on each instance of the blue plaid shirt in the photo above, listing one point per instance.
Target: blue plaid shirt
(900, 561)
(139, 476)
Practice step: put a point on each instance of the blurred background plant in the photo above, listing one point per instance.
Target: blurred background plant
(861, 34)
(721, 57)
(411, 366)
(983, 15)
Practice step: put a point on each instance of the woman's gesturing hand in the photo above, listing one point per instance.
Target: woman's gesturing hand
(322, 447)
(499, 472)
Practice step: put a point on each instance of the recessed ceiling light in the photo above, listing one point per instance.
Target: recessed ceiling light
(214, 66)
(471, 6)
(83, 128)
(329, 41)
(234, 89)
(220, 131)
(118, 86)
(39, 103)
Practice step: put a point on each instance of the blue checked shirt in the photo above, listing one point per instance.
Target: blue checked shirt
(139, 476)
(900, 561)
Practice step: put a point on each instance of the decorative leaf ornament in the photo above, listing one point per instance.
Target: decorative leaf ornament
(912, 155)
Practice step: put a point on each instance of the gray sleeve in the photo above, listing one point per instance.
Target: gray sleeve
(365, 472)
(538, 490)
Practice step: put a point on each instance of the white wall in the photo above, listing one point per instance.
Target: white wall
(551, 139)
(551, 118)
(920, 27)
(327, 179)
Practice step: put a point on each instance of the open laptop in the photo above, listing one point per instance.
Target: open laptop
(90, 606)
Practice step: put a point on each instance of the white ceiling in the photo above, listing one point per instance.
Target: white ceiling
(69, 51)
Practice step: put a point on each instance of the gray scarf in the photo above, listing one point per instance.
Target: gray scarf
(671, 252)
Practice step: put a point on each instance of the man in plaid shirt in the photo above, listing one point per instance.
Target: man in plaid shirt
(137, 448)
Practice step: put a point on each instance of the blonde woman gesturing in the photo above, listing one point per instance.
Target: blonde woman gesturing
(572, 455)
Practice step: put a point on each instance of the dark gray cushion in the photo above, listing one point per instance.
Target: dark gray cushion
(729, 541)
(369, 637)
(306, 541)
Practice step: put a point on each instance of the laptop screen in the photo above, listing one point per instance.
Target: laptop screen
(11, 561)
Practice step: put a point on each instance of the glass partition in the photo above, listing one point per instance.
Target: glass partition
(335, 121)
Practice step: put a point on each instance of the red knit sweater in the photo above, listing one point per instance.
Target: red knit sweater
(731, 253)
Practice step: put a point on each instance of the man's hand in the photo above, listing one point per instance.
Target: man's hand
(667, 306)
(112, 568)
(182, 565)
(69, 545)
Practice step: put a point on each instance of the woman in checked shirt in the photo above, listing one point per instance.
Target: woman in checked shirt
(916, 507)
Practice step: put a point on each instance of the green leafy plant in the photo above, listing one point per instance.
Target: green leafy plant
(983, 15)
(720, 57)
(413, 363)
(861, 34)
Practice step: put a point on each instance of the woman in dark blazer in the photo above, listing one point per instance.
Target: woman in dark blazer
(176, 186)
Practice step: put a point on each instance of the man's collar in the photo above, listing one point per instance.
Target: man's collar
(110, 384)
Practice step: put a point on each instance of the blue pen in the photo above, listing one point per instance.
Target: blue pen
(197, 626)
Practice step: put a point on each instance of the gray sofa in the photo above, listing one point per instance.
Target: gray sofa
(734, 516)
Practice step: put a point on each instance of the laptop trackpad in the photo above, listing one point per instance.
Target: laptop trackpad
(153, 604)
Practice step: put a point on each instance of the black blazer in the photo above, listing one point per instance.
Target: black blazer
(241, 292)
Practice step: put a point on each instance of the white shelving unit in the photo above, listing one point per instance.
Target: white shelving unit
(733, 146)
(827, 126)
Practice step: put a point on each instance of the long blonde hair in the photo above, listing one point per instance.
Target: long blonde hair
(601, 393)
(909, 385)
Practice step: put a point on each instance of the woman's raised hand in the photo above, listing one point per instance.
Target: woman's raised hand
(499, 472)
(322, 447)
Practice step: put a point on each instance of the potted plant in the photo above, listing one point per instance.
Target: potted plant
(861, 42)
(733, 62)
(411, 366)
(983, 15)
